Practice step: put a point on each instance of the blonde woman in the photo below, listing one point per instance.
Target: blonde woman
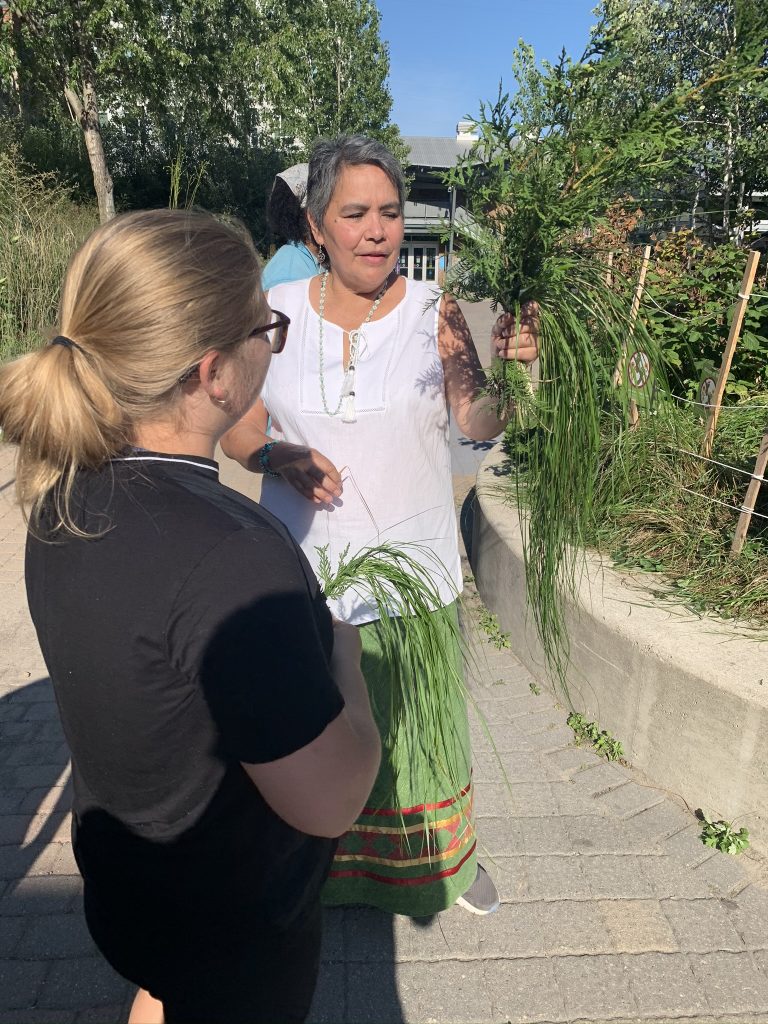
(219, 725)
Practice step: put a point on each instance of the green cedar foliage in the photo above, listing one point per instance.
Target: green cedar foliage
(547, 167)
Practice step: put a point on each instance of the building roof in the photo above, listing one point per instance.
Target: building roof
(435, 150)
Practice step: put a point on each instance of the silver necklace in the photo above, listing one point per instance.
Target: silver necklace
(347, 395)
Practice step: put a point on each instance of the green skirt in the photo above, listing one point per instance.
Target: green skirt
(412, 850)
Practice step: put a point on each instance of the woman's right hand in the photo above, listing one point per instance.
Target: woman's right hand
(308, 471)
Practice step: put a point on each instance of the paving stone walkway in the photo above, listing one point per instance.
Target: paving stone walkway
(612, 908)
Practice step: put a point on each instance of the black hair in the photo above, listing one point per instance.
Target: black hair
(285, 215)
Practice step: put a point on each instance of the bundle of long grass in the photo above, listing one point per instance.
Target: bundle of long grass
(419, 641)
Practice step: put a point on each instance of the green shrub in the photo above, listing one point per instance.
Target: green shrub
(691, 290)
(662, 510)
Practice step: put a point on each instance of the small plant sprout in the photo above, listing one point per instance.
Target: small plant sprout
(535, 689)
(722, 836)
(489, 623)
(590, 732)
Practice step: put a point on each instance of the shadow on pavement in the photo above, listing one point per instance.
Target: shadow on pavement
(48, 962)
(357, 983)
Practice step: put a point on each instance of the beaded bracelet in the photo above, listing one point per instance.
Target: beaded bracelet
(264, 459)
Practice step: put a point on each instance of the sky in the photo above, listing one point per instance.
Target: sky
(448, 55)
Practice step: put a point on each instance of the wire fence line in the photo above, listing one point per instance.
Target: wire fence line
(705, 405)
(684, 319)
(734, 508)
(725, 465)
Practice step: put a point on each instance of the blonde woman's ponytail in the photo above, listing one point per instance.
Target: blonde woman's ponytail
(144, 298)
(56, 406)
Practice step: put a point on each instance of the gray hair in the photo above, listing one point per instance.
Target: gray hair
(328, 159)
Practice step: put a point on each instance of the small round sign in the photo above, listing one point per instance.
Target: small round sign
(707, 391)
(639, 369)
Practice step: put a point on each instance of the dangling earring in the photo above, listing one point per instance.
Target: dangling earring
(322, 255)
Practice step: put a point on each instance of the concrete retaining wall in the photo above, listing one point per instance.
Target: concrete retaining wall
(687, 697)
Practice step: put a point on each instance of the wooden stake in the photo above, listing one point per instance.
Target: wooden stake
(633, 315)
(751, 498)
(730, 347)
(609, 273)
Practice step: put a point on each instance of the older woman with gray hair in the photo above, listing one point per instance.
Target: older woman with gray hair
(360, 450)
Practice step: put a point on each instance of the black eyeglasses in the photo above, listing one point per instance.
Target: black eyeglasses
(275, 333)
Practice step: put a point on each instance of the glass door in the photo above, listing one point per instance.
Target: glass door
(418, 260)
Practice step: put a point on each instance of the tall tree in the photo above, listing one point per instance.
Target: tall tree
(90, 59)
(125, 68)
(324, 71)
(219, 82)
(669, 44)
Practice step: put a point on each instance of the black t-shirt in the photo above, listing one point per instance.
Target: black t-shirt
(189, 636)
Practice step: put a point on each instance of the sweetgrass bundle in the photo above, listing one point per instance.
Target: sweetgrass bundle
(420, 641)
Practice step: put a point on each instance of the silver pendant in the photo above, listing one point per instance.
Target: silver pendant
(349, 415)
(348, 396)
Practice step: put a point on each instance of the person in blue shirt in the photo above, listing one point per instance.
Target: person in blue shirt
(300, 256)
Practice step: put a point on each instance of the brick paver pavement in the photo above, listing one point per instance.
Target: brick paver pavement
(612, 909)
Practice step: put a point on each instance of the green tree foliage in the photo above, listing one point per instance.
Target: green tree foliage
(88, 60)
(324, 71)
(238, 87)
(691, 290)
(671, 44)
(538, 183)
(550, 163)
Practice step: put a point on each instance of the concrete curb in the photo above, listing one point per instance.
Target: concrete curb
(685, 695)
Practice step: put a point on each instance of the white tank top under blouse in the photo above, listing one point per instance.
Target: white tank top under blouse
(394, 461)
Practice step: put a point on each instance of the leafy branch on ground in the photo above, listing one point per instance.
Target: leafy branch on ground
(590, 732)
(722, 835)
(489, 623)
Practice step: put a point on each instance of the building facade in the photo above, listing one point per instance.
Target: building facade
(432, 209)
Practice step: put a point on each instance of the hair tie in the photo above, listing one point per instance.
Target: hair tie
(62, 339)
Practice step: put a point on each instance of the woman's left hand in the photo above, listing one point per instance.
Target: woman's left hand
(510, 342)
(309, 472)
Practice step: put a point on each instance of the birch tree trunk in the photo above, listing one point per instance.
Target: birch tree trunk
(86, 113)
(695, 204)
(740, 208)
(728, 181)
(15, 23)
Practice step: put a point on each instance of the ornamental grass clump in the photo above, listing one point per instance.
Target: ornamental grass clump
(40, 228)
(661, 509)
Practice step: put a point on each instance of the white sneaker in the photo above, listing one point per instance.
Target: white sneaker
(482, 896)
